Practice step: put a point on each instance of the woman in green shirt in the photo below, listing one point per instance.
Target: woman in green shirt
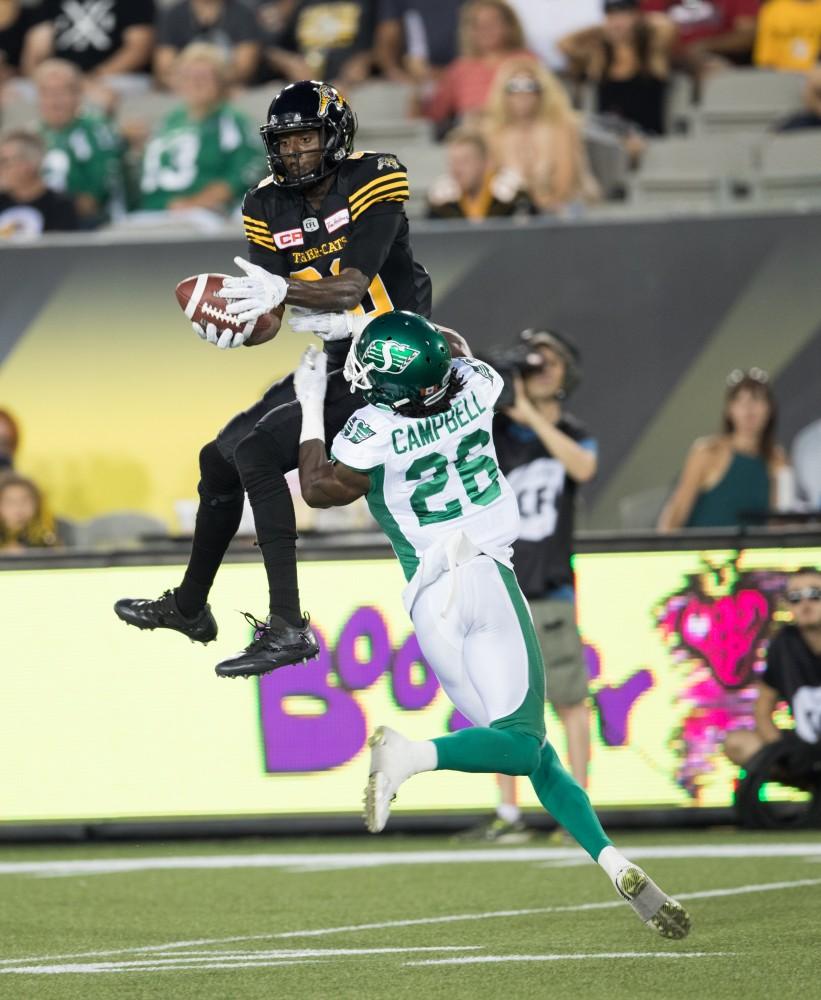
(729, 478)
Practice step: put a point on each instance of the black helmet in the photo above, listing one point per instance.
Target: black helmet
(309, 104)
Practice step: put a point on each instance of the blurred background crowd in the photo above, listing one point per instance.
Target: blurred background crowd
(136, 115)
(125, 112)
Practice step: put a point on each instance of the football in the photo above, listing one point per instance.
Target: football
(201, 304)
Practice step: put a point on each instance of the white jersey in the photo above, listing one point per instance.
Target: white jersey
(436, 476)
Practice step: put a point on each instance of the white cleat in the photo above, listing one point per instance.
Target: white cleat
(389, 768)
(653, 907)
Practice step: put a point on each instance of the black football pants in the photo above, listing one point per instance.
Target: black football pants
(251, 454)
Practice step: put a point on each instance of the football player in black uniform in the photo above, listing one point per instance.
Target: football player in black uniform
(327, 232)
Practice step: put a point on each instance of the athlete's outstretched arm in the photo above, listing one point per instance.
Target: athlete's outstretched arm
(327, 484)
(372, 236)
(323, 483)
(459, 347)
(332, 294)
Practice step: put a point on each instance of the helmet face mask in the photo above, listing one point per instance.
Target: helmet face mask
(307, 106)
(400, 360)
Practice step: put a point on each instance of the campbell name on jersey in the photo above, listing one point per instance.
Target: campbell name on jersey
(432, 475)
(289, 237)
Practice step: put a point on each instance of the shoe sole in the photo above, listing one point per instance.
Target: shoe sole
(269, 670)
(166, 628)
(375, 790)
(670, 920)
(262, 673)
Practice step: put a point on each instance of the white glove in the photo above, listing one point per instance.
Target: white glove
(310, 380)
(223, 339)
(256, 294)
(328, 325)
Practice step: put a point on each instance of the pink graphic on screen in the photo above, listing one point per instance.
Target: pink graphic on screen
(718, 646)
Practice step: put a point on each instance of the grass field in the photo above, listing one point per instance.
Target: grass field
(399, 917)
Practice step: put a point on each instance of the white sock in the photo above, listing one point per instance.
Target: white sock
(612, 861)
(422, 756)
(508, 812)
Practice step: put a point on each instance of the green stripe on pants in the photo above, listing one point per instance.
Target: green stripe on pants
(529, 716)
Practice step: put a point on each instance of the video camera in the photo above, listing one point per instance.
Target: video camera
(524, 358)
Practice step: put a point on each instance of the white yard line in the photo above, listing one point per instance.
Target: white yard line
(483, 959)
(157, 950)
(288, 956)
(376, 859)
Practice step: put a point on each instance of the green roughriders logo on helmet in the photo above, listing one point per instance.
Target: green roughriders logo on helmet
(389, 357)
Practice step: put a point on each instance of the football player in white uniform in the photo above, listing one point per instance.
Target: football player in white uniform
(422, 454)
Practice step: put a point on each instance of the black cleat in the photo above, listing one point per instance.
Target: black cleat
(272, 647)
(164, 613)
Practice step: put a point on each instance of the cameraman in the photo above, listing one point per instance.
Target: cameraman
(545, 454)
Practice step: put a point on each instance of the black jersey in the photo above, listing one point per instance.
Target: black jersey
(546, 495)
(361, 223)
(794, 671)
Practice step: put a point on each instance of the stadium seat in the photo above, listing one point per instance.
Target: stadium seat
(806, 460)
(789, 170)
(18, 113)
(641, 510)
(607, 157)
(378, 101)
(68, 531)
(118, 528)
(150, 107)
(746, 100)
(704, 172)
(425, 161)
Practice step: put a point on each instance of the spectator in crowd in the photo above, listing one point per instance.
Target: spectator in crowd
(25, 522)
(731, 476)
(628, 59)
(272, 16)
(471, 189)
(789, 35)
(792, 674)
(229, 25)
(83, 155)
(203, 155)
(546, 454)
(490, 34)
(533, 132)
(546, 22)
(811, 116)
(710, 34)
(9, 439)
(327, 40)
(108, 40)
(15, 21)
(27, 206)
(416, 39)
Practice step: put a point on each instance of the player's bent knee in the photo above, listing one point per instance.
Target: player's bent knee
(256, 452)
(740, 746)
(219, 484)
(523, 757)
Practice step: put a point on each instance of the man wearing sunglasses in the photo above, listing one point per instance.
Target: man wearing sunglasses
(793, 674)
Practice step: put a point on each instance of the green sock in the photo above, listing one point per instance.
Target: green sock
(487, 750)
(567, 802)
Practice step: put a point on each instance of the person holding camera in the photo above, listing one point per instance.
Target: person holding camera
(546, 454)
